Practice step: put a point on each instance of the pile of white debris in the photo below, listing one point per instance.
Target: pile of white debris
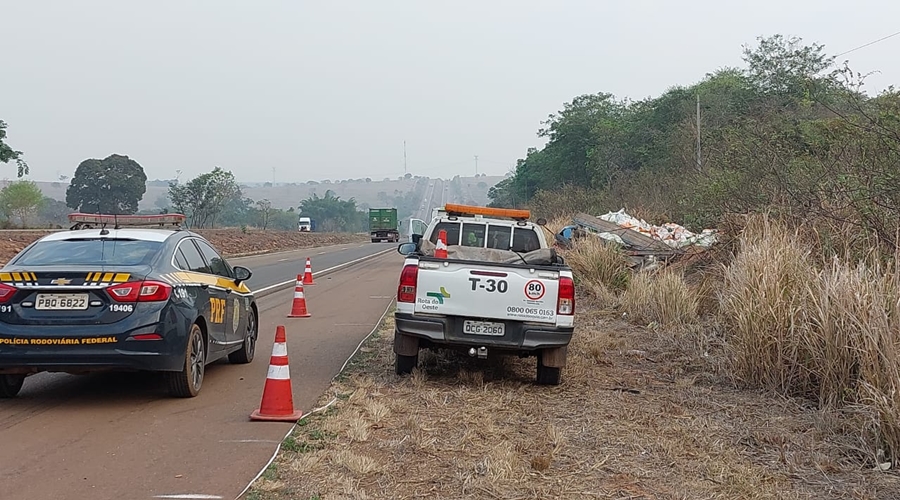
(673, 235)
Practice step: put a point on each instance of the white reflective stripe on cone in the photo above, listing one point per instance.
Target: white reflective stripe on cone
(279, 372)
(298, 294)
(279, 349)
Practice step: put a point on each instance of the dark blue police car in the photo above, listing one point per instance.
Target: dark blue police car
(111, 295)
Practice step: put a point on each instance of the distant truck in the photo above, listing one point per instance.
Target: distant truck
(384, 225)
(306, 225)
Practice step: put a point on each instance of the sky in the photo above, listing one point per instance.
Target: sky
(294, 90)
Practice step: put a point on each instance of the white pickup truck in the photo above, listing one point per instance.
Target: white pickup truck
(500, 289)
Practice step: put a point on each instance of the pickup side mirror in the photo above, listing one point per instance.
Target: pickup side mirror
(542, 222)
(407, 248)
(416, 238)
(241, 274)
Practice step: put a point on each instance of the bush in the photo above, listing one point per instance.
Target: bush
(664, 298)
(597, 264)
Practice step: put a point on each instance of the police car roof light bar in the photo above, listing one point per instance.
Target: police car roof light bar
(87, 221)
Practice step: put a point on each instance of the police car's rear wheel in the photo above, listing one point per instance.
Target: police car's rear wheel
(187, 382)
(10, 385)
(246, 352)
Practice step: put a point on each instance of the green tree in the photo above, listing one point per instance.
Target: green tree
(113, 185)
(21, 199)
(203, 197)
(786, 66)
(265, 212)
(332, 213)
(8, 154)
(52, 212)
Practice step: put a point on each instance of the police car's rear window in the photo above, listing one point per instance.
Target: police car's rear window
(90, 252)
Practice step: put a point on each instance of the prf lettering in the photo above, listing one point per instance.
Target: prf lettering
(217, 310)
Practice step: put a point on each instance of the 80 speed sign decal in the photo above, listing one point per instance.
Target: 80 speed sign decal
(534, 290)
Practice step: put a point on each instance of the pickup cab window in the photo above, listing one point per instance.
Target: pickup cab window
(473, 235)
(525, 240)
(498, 237)
(452, 229)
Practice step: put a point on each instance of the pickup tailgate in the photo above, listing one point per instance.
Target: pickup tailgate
(487, 292)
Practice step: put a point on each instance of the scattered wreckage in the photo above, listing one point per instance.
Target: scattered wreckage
(644, 244)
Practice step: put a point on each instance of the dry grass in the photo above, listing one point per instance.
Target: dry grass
(638, 416)
(832, 335)
(598, 266)
(662, 297)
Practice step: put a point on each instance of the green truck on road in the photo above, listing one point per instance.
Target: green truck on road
(384, 225)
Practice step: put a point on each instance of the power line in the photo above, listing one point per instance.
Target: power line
(868, 44)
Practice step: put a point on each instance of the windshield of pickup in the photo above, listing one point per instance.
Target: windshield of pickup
(486, 235)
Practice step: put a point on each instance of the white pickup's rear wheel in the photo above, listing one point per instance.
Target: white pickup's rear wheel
(404, 365)
(10, 385)
(547, 375)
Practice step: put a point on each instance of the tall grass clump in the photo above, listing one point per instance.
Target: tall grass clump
(662, 297)
(829, 334)
(852, 339)
(598, 264)
(763, 297)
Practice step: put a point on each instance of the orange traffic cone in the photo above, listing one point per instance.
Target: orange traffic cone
(298, 309)
(440, 248)
(307, 275)
(277, 403)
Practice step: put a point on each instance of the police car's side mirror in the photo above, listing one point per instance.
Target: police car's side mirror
(241, 274)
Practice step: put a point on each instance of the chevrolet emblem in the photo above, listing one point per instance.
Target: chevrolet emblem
(61, 281)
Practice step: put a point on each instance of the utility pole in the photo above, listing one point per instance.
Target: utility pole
(476, 165)
(699, 161)
(273, 176)
(404, 158)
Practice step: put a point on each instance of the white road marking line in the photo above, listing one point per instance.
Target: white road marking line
(191, 496)
(267, 441)
(321, 253)
(333, 268)
(381, 296)
(282, 260)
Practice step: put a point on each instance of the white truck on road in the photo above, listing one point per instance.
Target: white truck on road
(500, 289)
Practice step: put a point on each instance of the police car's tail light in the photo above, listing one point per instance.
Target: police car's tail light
(140, 291)
(406, 291)
(566, 304)
(6, 292)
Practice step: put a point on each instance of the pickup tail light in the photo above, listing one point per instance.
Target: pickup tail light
(6, 292)
(140, 291)
(566, 302)
(406, 291)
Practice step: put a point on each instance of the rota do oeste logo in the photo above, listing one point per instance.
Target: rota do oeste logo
(444, 294)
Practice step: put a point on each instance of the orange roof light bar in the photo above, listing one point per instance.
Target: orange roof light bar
(128, 220)
(487, 211)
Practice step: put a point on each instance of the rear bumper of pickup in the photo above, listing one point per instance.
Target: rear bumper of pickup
(448, 330)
